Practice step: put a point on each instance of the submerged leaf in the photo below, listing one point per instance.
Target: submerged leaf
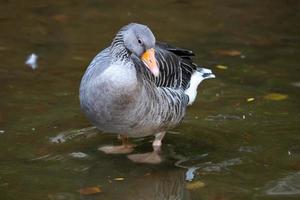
(195, 185)
(90, 190)
(60, 17)
(79, 58)
(276, 96)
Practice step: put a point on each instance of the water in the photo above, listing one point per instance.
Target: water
(235, 141)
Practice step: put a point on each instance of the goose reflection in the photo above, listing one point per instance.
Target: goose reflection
(162, 185)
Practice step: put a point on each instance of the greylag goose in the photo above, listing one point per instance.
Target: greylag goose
(138, 87)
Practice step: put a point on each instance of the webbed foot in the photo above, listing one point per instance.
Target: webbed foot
(125, 148)
(122, 149)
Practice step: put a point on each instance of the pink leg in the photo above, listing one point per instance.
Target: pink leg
(157, 141)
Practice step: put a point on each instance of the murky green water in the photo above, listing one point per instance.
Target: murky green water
(235, 143)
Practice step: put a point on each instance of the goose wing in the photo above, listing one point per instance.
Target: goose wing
(176, 66)
(179, 76)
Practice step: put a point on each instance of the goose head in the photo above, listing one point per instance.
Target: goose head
(140, 41)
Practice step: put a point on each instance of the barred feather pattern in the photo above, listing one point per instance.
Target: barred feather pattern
(175, 72)
(166, 92)
(160, 102)
(117, 48)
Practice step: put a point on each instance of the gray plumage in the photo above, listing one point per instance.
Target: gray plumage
(119, 94)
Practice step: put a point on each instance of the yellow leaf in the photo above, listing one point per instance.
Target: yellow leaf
(119, 179)
(221, 67)
(276, 96)
(90, 190)
(250, 99)
(227, 52)
(195, 185)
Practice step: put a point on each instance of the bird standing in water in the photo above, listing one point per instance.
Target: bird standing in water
(138, 87)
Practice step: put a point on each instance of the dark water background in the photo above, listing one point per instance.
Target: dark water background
(241, 135)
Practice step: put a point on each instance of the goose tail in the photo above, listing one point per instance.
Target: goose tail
(197, 77)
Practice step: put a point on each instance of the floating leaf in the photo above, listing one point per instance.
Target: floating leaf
(119, 179)
(195, 185)
(276, 96)
(90, 190)
(250, 99)
(221, 67)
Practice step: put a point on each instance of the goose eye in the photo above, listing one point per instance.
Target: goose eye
(139, 41)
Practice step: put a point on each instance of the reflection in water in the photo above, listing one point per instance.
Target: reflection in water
(221, 117)
(205, 164)
(289, 185)
(71, 134)
(32, 61)
(159, 185)
(190, 173)
(62, 196)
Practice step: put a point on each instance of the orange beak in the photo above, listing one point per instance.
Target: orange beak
(150, 61)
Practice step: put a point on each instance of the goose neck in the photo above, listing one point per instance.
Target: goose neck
(118, 49)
